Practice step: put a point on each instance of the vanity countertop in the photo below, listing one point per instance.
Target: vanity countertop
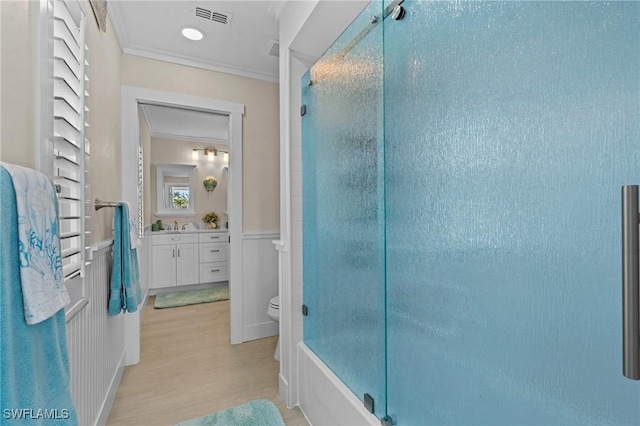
(192, 231)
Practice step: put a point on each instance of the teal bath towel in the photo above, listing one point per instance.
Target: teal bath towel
(41, 272)
(34, 364)
(125, 274)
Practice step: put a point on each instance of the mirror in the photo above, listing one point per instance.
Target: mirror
(175, 194)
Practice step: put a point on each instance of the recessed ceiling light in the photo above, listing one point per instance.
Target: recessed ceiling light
(192, 33)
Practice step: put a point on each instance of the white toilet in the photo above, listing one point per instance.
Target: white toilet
(274, 313)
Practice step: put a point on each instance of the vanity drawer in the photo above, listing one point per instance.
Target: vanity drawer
(173, 239)
(213, 272)
(214, 252)
(212, 237)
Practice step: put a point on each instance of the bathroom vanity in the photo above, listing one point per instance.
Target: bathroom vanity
(188, 257)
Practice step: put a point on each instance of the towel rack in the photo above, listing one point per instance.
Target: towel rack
(100, 204)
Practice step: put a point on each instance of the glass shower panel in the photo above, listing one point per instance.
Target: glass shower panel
(343, 208)
(510, 127)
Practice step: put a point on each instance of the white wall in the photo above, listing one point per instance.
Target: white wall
(104, 123)
(260, 285)
(17, 70)
(169, 151)
(261, 149)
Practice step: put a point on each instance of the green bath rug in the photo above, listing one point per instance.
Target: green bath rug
(191, 297)
(259, 412)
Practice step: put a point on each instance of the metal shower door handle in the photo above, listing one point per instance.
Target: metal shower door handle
(630, 284)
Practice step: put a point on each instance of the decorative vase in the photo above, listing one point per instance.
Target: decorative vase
(211, 225)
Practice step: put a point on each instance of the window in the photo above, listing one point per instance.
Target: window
(175, 190)
(179, 197)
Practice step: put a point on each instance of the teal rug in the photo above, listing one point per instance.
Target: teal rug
(191, 297)
(259, 412)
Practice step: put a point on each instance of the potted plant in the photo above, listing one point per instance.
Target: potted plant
(212, 220)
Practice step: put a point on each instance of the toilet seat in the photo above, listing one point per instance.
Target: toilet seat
(274, 309)
(274, 313)
(274, 303)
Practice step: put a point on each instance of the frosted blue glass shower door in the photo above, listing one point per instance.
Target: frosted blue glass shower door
(343, 246)
(509, 130)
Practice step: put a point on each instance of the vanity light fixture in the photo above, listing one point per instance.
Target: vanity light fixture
(192, 33)
(210, 153)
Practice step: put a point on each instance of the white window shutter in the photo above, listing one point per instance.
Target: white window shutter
(70, 145)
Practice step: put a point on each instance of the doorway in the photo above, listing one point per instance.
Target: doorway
(132, 97)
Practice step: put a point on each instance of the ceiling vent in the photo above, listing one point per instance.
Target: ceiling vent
(274, 48)
(220, 17)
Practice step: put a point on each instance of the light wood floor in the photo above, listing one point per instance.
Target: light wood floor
(189, 369)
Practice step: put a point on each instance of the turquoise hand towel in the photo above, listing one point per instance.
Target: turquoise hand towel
(125, 292)
(34, 364)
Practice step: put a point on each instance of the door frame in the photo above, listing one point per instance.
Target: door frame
(131, 97)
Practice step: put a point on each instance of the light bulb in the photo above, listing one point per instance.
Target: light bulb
(226, 158)
(210, 155)
(194, 154)
(192, 33)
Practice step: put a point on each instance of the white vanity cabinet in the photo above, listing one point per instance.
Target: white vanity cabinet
(174, 260)
(214, 256)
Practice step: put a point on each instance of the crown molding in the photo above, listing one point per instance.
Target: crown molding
(187, 138)
(154, 133)
(198, 63)
(119, 29)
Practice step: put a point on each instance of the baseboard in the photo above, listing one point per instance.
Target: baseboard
(103, 414)
(283, 390)
(143, 304)
(259, 331)
(267, 235)
(322, 396)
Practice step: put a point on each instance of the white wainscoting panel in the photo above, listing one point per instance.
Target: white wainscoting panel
(133, 320)
(260, 284)
(96, 344)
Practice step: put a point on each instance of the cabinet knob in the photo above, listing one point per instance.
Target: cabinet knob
(214, 251)
(215, 270)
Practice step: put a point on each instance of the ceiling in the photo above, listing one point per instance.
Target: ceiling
(186, 125)
(243, 46)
